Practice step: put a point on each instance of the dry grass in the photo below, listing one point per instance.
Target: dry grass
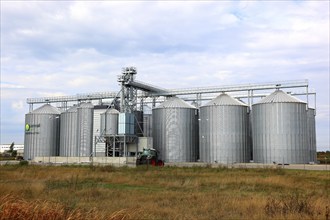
(41, 192)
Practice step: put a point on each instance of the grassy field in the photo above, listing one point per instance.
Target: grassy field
(46, 192)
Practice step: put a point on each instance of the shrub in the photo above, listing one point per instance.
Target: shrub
(24, 163)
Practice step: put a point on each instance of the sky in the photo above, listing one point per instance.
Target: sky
(55, 48)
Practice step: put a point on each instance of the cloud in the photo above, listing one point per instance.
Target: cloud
(52, 94)
(5, 85)
(17, 105)
(64, 48)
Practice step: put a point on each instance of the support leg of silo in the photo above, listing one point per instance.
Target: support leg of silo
(154, 102)
(315, 104)
(251, 98)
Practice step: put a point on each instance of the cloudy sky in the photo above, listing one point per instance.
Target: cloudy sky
(53, 48)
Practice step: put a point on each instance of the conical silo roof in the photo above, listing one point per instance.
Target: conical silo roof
(278, 97)
(112, 111)
(72, 109)
(147, 110)
(174, 102)
(86, 105)
(46, 109)
(223, 100)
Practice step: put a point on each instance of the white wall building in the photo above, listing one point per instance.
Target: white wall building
(4, 147)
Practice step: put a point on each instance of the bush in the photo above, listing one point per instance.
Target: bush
(24, 163)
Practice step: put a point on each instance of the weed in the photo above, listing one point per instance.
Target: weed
(24, 163)
(294, 203)
(83, 192)
(12, 207)
(108, 168)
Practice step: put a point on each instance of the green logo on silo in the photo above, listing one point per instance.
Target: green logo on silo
(27, 127)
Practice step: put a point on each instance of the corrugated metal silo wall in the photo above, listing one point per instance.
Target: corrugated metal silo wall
(280, 133)
(311, 135)
(224, 134)
(109, 123)
(68, 135)
(147, 125)
(250, 143)
(100, 147)
(174, 134)
(197, 134)
(43, 137)
(85, 131)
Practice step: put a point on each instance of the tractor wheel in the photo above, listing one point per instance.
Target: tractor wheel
(160, 163)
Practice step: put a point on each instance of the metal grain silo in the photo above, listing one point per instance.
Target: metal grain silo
(42, 130)
(279, 130)
(224, 131)
(311, 135)
(85, 129)
(109, 122)
(68, 133)
(174, 130)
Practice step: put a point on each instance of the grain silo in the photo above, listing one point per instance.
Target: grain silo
(279, 130)
(174, 130)
(109, 122)
(311, 135)
(85, 129)
(224, 131)
(42, 130)
(68, 133)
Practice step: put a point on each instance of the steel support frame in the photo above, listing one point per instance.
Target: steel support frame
(130, 96)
